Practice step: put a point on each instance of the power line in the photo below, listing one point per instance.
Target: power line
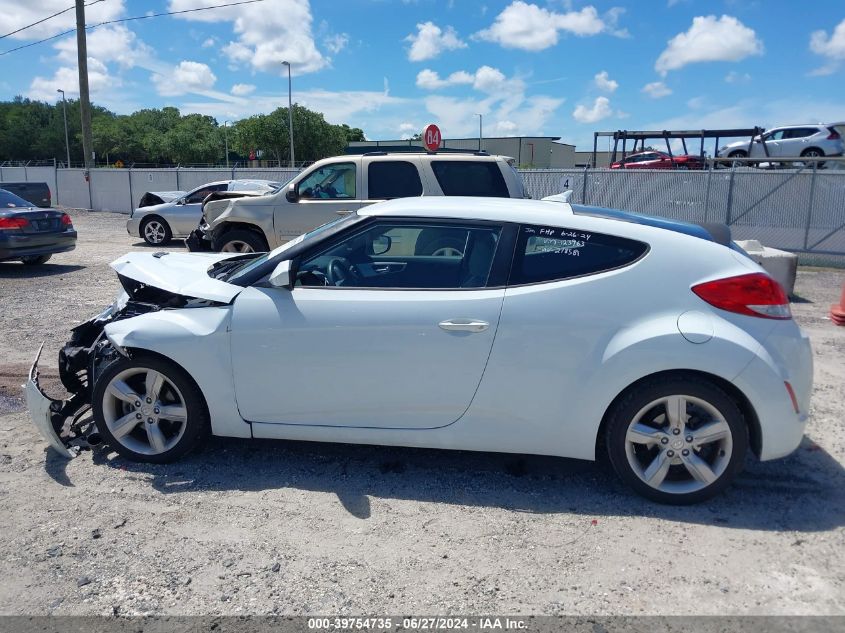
(49, 17)
(137, 17)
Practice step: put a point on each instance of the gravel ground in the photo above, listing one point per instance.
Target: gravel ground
(296, 528)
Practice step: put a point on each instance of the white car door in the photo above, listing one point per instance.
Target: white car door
(394, 340)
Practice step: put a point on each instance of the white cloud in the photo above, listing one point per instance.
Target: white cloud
(657, 90)
(267, 33)
(336, 43)
(830, 46)
(408, 127)
(209, 42)
(186, 77)
(430, 40)
(15, 14)
(709, 39)
(66, 78)
(734, 77)
(485, 79)
(600, 110)
(114, 43)
(242, 90)
(605, 83)
(532, 28)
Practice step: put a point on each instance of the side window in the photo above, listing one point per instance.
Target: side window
(200, 194)
(546, 253)
(775, 136)
(470, 178)
(405, 255)
(393, 179)
(329, 183)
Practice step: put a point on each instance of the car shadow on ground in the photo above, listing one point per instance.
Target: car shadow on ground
(800, 493)
(13, 270)
(176, 243)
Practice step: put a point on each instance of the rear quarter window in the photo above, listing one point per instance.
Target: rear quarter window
(470, 178)
(546, 253)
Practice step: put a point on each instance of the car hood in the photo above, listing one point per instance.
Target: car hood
(151, 198)
(184, 274)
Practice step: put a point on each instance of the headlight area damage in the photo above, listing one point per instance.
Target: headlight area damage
(63, 423)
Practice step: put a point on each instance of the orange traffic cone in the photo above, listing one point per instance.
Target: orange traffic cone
(837, 312)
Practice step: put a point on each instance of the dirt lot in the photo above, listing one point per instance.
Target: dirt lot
(285, 527)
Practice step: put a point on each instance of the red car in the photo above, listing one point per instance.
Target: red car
(658, 160)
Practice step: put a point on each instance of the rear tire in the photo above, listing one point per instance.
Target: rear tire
(676, 440)
(149, 409)
(242, 241)
(813, 152)
(156, 231)
(35, 260)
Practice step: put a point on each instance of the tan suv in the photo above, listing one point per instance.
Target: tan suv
(341, 185)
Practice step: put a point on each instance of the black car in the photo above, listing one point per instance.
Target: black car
(37, 192)
(30, 234)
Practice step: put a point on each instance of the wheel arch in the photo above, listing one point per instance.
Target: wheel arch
(227, 227)
(749, 414)
(811, 148)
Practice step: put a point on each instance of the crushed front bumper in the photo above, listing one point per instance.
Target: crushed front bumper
(47, 414)
(197, 242)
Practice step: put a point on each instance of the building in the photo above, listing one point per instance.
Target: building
(529, 152)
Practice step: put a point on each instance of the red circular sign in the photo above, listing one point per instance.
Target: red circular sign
(431, 137)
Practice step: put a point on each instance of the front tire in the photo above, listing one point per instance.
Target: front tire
(35, 260)
(149, 410)
(156, 231)
(242, 241)
(676, 440)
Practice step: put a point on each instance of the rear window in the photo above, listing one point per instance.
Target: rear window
(547, 253)
(393, 179)
(470, 178)
(9, 200)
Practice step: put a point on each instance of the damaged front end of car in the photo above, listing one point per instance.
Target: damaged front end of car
(64, 423)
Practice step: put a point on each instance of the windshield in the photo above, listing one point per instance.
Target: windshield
(252, 264)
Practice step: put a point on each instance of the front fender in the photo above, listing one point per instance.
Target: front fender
(197, 339)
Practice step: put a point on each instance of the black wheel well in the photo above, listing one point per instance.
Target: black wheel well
(748, 413)
(153, 216)
(135, 352)
(818, 149)
(228, 227)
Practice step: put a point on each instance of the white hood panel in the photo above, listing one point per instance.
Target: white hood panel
(180, 273)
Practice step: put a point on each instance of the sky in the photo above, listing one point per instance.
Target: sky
(530, 67)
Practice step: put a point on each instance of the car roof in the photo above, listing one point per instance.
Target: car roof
(469, 208)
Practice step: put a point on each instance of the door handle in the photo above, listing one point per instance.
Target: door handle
(464, 325)
(343, 211)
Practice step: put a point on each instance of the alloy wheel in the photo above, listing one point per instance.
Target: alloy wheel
(154, 232)
(237, 246)
(679, 444)
(144, 411)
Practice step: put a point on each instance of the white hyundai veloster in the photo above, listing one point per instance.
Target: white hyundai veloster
(540, 327)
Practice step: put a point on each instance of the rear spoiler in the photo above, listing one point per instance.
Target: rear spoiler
(712, 232)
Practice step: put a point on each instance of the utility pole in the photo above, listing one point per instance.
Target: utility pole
(84, 102)
(67, 138)
(479, 131)
(226, 140)
(290, 117)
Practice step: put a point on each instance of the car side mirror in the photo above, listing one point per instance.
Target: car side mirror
(182, 201)
(292, 195)
(381, 245)
(280, 277)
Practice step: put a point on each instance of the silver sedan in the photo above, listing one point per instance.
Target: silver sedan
(165, 215)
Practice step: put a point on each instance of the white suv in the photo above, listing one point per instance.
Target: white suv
(342, 184)
(808, 141)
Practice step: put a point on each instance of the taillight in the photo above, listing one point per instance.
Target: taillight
(834, 135)
(66, 221)
(755, 294)
(13, 223)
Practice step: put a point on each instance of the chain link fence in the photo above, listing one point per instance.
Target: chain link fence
(799, 209)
